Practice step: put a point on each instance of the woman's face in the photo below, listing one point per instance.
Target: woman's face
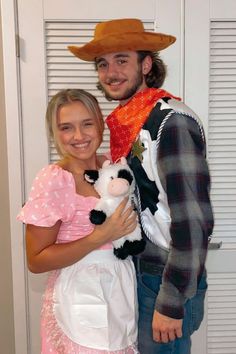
(78, 133)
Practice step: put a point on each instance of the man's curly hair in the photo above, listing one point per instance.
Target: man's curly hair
(157, 74)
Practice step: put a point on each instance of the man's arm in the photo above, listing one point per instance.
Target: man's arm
(185, 177)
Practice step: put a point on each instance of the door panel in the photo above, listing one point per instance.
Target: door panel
(210, 91)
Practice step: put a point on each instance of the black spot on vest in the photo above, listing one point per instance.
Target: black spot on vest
(148, 190)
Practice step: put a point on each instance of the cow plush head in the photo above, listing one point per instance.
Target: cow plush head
(114, 182)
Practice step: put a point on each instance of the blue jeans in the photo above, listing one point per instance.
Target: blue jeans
(148, 287)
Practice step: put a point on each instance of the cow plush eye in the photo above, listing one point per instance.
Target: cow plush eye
(111, 177)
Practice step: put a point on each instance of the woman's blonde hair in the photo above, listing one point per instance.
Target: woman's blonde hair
(63, 98)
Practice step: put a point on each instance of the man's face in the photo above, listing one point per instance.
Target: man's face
(120, 75)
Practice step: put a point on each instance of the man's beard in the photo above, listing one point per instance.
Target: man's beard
(128, 93)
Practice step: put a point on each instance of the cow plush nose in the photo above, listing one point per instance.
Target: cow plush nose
(118, 187)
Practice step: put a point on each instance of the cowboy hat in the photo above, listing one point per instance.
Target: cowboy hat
(121, 35)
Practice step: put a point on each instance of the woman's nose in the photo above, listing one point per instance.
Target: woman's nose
(78, 134)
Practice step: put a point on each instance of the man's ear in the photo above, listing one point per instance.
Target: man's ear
(146, 65)
(91, 176)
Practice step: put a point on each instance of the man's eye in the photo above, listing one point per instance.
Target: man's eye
(122, 61)
(102, 65)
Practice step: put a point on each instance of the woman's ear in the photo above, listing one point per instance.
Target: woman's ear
(146, 65)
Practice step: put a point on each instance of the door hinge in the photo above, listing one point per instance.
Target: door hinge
(17, 45)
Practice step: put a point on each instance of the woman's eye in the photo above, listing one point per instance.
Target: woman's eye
(89, 123)
(64, 128)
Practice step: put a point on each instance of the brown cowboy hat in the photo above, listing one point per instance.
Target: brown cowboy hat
(121, 35)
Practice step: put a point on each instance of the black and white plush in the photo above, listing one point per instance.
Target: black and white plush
(114, 182)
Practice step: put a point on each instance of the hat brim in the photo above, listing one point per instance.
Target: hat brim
(123, 42)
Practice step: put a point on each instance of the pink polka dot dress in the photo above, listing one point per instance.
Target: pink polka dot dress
(89, 307)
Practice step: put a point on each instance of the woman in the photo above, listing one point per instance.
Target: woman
(90, 301)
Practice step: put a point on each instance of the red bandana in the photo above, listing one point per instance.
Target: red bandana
(125, 122)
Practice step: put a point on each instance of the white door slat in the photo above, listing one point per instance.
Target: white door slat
(223, 25)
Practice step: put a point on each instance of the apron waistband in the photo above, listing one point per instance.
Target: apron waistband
(100, 256)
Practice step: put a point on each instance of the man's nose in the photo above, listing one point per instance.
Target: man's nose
(111, 70)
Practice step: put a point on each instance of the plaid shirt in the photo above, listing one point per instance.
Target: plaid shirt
(182, 169)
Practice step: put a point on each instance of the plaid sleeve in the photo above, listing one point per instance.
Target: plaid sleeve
(185, 177)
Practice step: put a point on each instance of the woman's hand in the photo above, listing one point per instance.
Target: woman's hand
(120, 223)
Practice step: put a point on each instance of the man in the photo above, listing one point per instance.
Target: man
(165, 145)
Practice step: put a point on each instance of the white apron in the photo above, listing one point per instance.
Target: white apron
(95, 301)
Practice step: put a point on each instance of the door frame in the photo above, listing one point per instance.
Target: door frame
(15, 172)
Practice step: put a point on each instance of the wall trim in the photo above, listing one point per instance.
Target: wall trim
(12, 108)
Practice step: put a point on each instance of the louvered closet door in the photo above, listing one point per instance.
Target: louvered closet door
(212, 93)
(46, 27)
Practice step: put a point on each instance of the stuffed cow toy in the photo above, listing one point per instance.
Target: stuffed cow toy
(114, 182)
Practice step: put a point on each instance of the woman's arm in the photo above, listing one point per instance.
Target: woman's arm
(44, 254)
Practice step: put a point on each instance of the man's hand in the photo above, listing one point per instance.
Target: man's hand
(165, 329)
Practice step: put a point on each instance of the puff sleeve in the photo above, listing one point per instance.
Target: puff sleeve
(52, 198)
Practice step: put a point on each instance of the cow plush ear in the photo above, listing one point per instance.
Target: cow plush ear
(91, 176)
(123, 160)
